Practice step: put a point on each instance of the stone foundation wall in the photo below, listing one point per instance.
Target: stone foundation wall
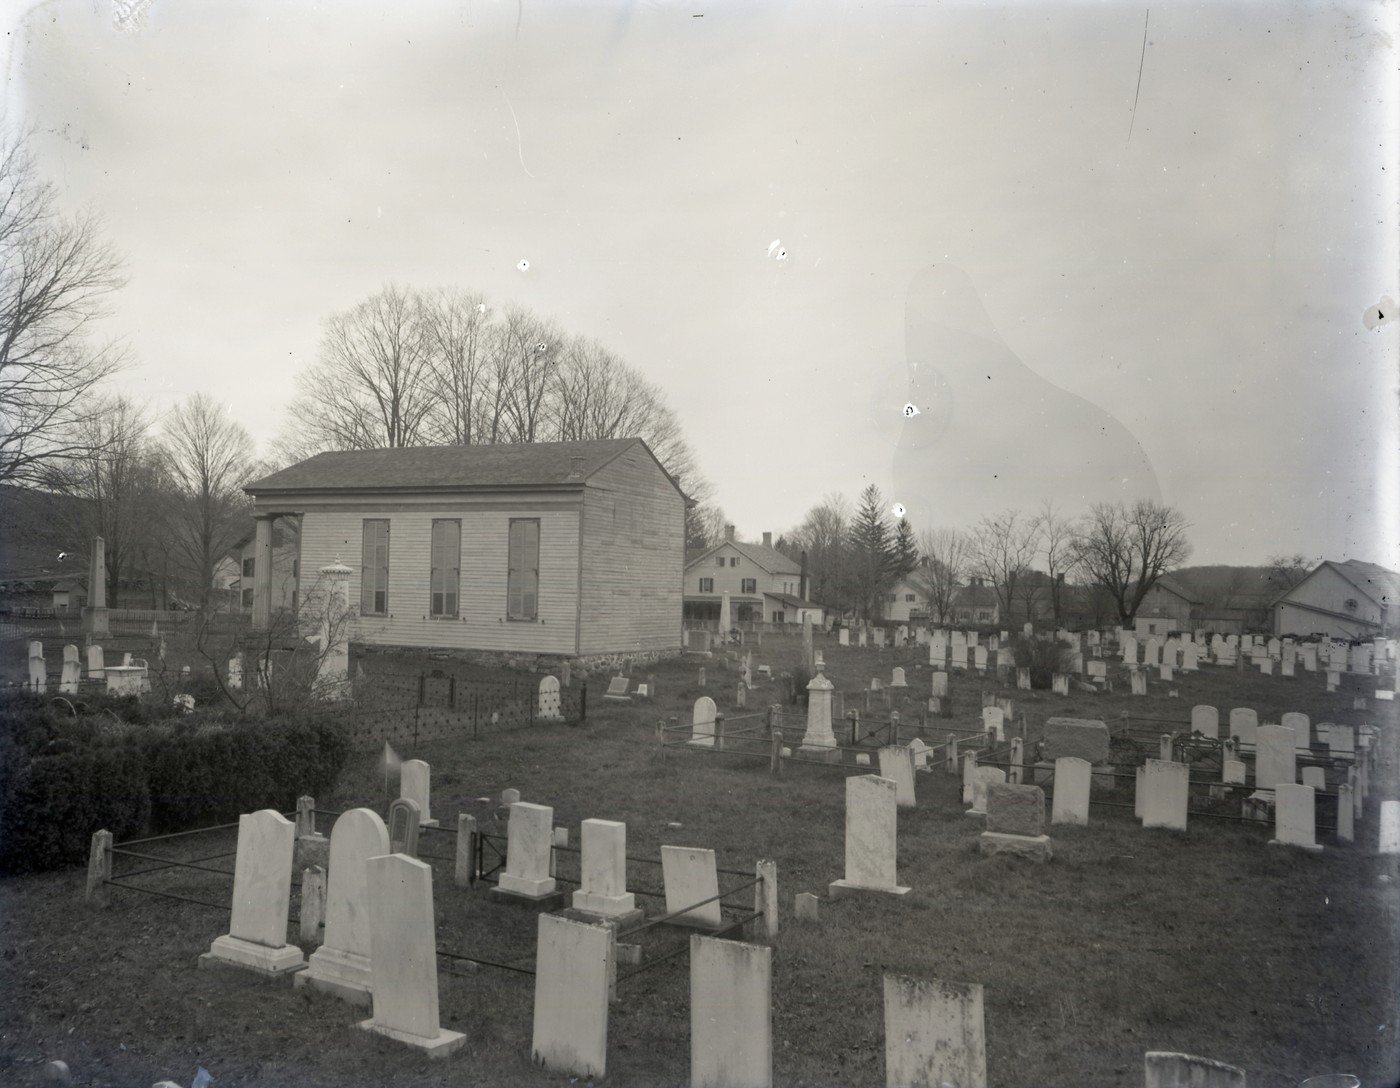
(583, 665)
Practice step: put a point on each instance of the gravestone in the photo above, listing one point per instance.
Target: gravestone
(731, 1030)
(1190, 657)
(1098, 670)
(935, 1034)
(1244, 724)
(1205, 720)
(938, 685)
(819, 741)
(843, 637)
(994, 720)
(897, 764)
(403, 826)
(979, 658)
(342, 965)
(805, 907)
(603, 864)
(1084, 738)
(1295, 816)
(95, 665)
(1301, 725)
(72, 671)
(1138, 679)
(262, 892)
(403, 956)
(919, 750)
(897, 678)
(702, 722)
(1128, 647)
(871, 815)
(1070, 804)
(1275, 757)
(415, 778)
(969, 776)
(549, 699)
(1023, 679)
(1388, 841)
(1015, 810)
(689, 876)
(1059, 683)
(1164, 789)
(981, 782)
(529, 845)
(617, 688)
(574, 963)
(38, 677)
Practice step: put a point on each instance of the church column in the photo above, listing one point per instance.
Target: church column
(262, 571)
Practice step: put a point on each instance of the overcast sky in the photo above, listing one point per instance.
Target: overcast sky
(968, 226)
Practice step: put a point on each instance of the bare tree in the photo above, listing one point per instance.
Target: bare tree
(1126, 549)
(524, 352)
(1057, 549)
(209, 457)
(455, 325)
(371, 386)
(942, 568)
(824, 535)
(1286, 571)
(117, 484)
(1002, 549)
(55, 276)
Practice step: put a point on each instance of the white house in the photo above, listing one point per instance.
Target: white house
(1349, 600)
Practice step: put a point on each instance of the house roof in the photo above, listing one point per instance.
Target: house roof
(504, 466)
(1166, 582)
(1377, 582)
(769, 559)
(975, 596)
(792, 601)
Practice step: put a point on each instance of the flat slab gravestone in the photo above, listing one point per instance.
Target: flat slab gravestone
(731, 1029)
(1164, 790)
(935, 1034)
(342, 965)
(994, 719)
(1316, 777)
(982, 779)
(415, 778)
(1015, 822)
(529, 844)
(573, 963)
(1301, 725)
(603, 864)
(897, 764)
(262, 894)
(871, 827)
(1295, 816)
(1244, 723)
(689, 876)
(617, 689)
(1070, 801)
(1388, 841)
(548, 709)
(1083, 738)
(1206, 721)
(1275, 756)
(702, 722)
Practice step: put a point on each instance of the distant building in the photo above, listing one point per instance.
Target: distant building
(763, 584)
(1167, 607)
(976, 604)
(905, 602)
(234, 574)
(1349, 600)
(572, 549)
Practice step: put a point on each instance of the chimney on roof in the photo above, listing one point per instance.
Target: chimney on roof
(767, 540)
(729, 532)
(575, 466)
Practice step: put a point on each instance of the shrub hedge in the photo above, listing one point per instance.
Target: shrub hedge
(63, 777)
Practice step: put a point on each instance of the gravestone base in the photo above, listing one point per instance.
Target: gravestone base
(1315, 848)
(1034, 847)
(1221, 792)
(616, 910)
(428, 823)
(436, 1046)
(536, 894)
(622, 923)
(346, 975)
(229, 951)
(820, 751)
(838, 888)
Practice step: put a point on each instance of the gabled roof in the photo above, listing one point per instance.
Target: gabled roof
(974, 596)
(1375, 581)
(794, 602)
(769, 559)
(1166, 582)
(504, 466)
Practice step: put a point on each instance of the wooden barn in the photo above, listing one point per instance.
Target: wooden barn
(571, 549)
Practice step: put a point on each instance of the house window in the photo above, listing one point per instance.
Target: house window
(748, 585)
(374, 568)
(891, 598)
(296, 568)
(719, 560)
(778, 617)
(445, 563)
(247, 598)
(909, 598)
(294, 600)
(248, 567)
(523, 583)
(707, 585)
(733, 560)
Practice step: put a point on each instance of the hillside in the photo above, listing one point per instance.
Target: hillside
(37, 536)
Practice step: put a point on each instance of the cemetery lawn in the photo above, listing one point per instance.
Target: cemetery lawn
(1209, 941)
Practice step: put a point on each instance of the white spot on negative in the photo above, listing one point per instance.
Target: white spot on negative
(899, 509)
(910, 411)
(776, 250)
(523, 266)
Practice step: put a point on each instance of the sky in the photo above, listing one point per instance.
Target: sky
(1105, 252)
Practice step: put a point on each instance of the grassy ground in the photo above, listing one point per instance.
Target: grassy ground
(1130, 940)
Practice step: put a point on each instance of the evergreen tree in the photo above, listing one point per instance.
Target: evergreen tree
(905, 550)
(872, 555)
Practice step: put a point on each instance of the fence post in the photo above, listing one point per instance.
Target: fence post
(583, 701)
(464, 875)
(474, 705)
(99, 868)
(894, 727)
(775, 759)
(306, 816)
(765, 895)
(313, 904)
(718, 730)
(422, 687)
(452, 692)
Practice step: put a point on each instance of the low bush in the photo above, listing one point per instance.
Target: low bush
(1044, 657)
(63, 777)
